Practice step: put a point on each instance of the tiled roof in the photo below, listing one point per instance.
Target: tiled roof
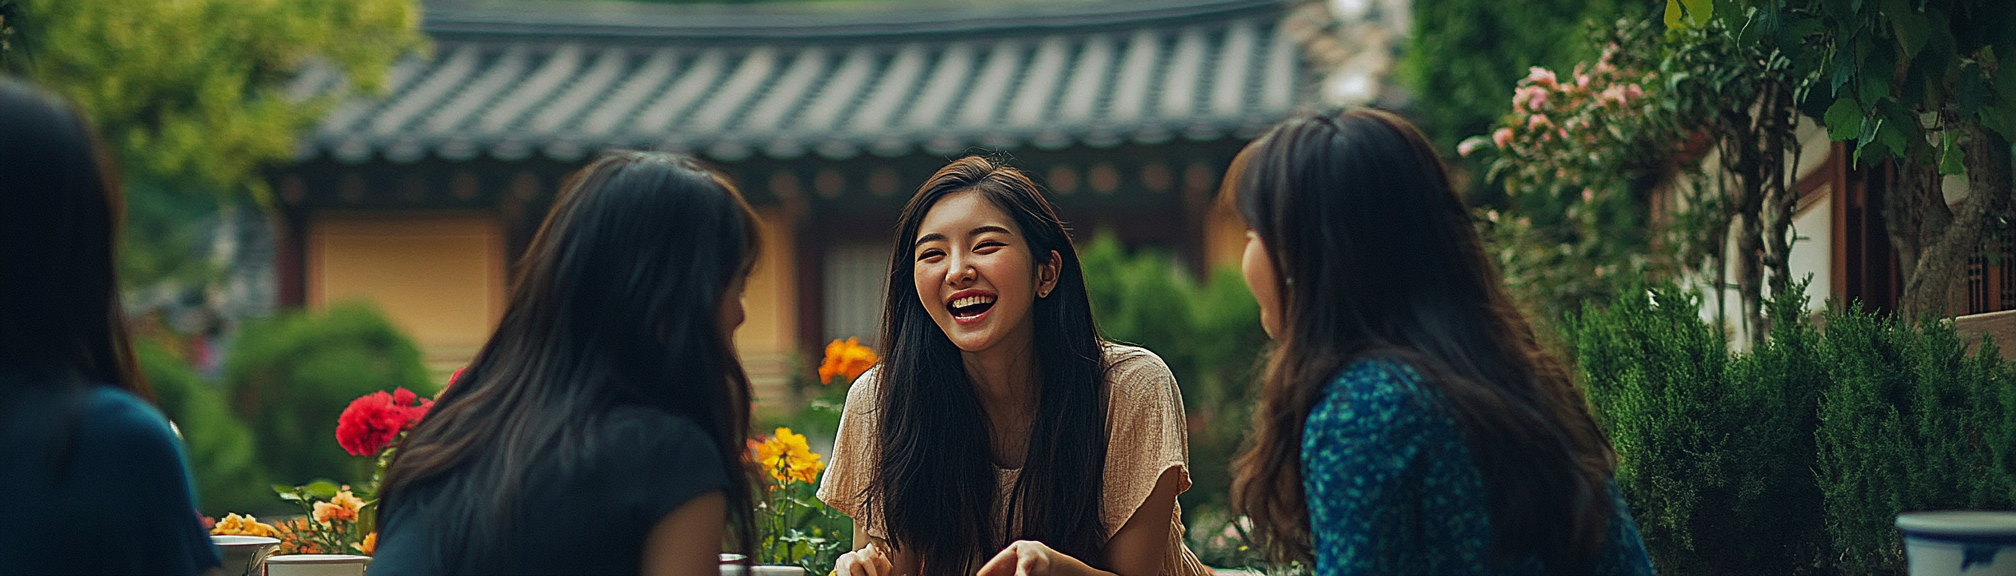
(513, 79)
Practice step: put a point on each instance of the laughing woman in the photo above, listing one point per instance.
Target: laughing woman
(999, 424)
(1409, 423)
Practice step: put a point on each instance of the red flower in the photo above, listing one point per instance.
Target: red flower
(373, 421)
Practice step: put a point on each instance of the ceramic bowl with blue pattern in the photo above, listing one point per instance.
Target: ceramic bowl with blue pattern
(1959, 542)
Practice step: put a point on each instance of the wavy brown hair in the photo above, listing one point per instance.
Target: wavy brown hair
(935, 488)
(1377, 258)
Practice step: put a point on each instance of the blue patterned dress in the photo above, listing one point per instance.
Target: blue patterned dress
(1391, 487)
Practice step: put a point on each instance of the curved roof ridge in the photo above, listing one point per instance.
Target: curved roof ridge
(812, 21)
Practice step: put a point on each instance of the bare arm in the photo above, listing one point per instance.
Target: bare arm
(687, 541)
(1134, 550)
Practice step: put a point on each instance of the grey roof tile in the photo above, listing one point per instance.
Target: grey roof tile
(515, 78)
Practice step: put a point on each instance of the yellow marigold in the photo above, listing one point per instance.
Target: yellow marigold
(369, 546)
(247, 525)
(846, 359)
(788, 457)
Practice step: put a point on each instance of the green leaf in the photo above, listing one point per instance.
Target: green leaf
(321, 489)
(1873, 79)
(1949, 154)
(1844, 119)
(1687, 14)
(1912, 28)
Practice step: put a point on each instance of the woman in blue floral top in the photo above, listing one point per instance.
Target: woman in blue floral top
(1409, 422)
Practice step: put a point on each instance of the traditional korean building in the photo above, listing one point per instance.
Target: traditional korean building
(828, 117)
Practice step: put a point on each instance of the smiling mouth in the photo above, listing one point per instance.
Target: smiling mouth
(970, 306)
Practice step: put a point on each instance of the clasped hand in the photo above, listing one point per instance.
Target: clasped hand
(1022, 558)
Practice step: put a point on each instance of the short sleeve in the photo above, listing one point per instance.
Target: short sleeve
(131, 478)
(851, 467)
(657, 462)
(1147, 433)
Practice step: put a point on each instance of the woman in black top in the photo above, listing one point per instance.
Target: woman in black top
(601, 428)
(93, 480)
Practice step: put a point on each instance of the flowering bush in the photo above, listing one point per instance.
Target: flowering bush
(795, 528)
(1574, 156)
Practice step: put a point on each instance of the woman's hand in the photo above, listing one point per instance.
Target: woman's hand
(1023, 558)
(870, 561)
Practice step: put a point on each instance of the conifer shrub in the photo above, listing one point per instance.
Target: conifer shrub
(290, 376)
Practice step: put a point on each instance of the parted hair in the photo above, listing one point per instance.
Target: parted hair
(935, 488)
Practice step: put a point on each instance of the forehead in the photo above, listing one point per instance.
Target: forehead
(961, 212)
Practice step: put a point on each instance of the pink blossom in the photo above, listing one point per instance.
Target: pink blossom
(1502, 137)
(1604, 67)
(1539, 97)
(1582, 81)
(1588, 194)
(1633, 91)
(1540, 76)
(1537, 120)
(1613, 94)
(1467, 147)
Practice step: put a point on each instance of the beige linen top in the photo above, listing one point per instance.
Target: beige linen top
(1145, 436)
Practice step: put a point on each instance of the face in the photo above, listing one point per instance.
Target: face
(976, 274)
(1257, 264)
(732, 314)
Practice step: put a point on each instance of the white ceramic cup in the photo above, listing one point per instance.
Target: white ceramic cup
(317, 565)
(1959, 542)
(244, 555)
(731, 565)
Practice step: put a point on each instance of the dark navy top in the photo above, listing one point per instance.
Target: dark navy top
(1392, 489)
(110, 494)
(586, 515)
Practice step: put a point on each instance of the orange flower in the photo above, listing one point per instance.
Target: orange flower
(295, 537)
(846, 359)
(343, 507)
(369, 546)
(789, 458)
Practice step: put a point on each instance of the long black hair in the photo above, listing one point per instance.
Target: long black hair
(617, 302)
(1377, 257)
(935, 486)
(60, 317)
(62, 329)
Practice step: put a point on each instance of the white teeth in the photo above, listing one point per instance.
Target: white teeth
(971, 301)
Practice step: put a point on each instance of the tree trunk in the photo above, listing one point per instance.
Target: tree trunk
(1779, 153)
(1945, 237)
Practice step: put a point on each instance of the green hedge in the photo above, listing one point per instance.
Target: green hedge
(1208, 332)
(290, 376)
(1796, 456)
(220, 447)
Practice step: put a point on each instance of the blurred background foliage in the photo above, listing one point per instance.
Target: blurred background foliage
(271, 417)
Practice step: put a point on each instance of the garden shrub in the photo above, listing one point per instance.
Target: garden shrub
(1797, 455)
(1909, 422)
(1208, 332)
(290, 376)
(220, 447)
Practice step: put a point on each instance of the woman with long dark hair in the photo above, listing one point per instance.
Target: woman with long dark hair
(602, 428)
(1409, 421)
(998, 423)
(94, 479)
